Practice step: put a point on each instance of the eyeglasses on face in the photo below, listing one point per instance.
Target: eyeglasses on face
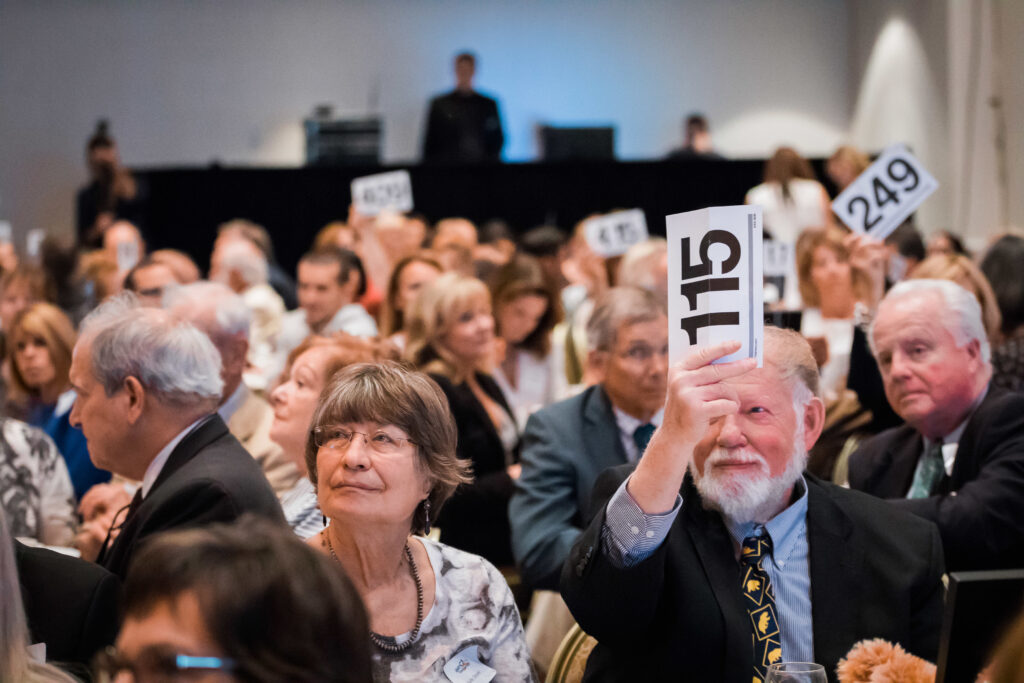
(157, 666)
(643, 353)
(336, 437)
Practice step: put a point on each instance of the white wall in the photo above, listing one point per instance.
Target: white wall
(899, 81)
(190, 82)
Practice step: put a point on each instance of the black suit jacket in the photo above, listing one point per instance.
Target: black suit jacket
(475, 519)
(679, 614)
(979, 508)
(71, 605)
(209, 477)
(463, 128)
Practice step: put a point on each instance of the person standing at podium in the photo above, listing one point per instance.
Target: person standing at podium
(463, 126)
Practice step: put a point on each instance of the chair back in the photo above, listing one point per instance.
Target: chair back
(570, 658)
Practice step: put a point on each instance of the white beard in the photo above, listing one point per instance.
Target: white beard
(747, 497)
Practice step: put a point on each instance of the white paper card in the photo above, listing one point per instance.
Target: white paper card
(614, 233)
(6, 232)
(465, 667)
(715, 281)
(375, 193)
(779, 258)
(882, 197)
(34, 241)
(127, 255)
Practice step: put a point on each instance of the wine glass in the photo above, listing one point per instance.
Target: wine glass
(796, 672)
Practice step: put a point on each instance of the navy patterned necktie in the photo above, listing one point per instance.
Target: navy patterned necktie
(759, 597)
(642, 437)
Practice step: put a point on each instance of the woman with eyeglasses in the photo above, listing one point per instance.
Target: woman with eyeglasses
(246, 602)
(381, 454)
(310, 367)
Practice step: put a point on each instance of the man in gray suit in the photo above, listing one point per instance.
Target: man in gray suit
(567, 444)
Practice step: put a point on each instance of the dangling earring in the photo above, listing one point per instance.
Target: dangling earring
(426, 516)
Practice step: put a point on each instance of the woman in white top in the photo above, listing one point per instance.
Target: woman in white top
(830, 288)
(791, 199)
(381, 454)
(526, 309)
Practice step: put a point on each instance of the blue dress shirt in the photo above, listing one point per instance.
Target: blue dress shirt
(629, 536)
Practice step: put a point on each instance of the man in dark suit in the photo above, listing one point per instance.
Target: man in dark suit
(463, 126)
(958, 460)
(70, 605)
(716, 556)
(566, 445)
(148, 386)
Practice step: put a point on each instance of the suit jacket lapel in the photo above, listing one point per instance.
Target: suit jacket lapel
(835, 565)
(718, 559)
(601, 435)
(901, 461)
(207, 431)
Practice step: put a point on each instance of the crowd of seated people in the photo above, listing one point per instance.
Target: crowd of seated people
(444, 446)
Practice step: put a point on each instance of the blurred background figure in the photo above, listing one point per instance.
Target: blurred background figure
(463, 126)
(645, 265)
(311, 366)
(242, 229)
(42, 338)
(845, 164)
(149, 279)
(243, 267)
(451, 337)
(946, 242)
(112, 193)
(961, 270)
(696, 140)
(409, 276)
(1002, 267)
(792, 199)
(195, 609)
(526, 310)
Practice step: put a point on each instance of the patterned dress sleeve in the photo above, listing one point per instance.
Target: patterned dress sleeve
(510, 655)
(56, 495)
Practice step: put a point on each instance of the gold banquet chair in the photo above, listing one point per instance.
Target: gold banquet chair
(570, 658)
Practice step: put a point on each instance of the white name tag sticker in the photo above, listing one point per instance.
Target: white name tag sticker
(465, 667)
(6, 232)
(382, 192)
(614, 233)
(34, 241)
(884, 195)
(715, 281)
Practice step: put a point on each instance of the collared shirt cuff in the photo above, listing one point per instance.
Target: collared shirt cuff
(629, 535)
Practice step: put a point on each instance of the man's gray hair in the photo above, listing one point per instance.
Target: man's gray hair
(212, 307)
(960, 315)
(245, 259)
(169, 357)
(638, 264)
(617, 307)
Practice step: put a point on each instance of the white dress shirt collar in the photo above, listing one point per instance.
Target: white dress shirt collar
(153, 471)
(627, 425)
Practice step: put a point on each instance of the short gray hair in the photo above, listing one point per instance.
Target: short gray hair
(170, 358)
(961, 315)
(617, 307)
(637, 266)
(211, 303)
(246, 259)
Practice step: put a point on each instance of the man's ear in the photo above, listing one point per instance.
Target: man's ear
(135, 394)
(814, 421)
